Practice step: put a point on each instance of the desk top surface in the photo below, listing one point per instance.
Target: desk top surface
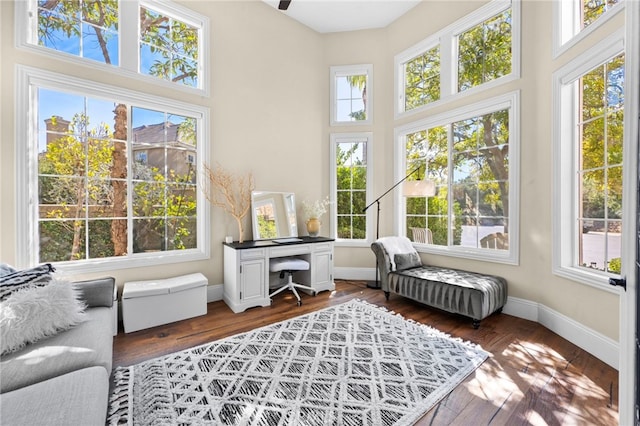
(274, 243)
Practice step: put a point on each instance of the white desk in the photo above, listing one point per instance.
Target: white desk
(246, 269)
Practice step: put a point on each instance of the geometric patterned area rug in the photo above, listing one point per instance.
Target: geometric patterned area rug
(349, 364)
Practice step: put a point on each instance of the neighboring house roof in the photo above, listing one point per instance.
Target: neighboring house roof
(151, 134)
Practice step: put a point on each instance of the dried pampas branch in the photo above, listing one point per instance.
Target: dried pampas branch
(229, 192)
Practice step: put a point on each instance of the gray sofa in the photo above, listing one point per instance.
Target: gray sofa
(467, 293)
(64, 379)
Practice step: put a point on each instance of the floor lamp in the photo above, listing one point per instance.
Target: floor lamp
(411, 188)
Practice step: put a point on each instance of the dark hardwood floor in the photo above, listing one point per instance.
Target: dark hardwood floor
(533, 376)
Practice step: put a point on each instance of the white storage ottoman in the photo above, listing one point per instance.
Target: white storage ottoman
(155, 302)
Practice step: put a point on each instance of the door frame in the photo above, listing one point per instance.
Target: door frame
(627, 381)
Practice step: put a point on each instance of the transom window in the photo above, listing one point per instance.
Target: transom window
(471, 157)
(351, 177)
(351, 94)
(113, 177)
(157, 39)
(575, 19)
(87, 29)
(168, 47)
(473, 52)
(588, 169)
(422, 79)
(591, 10)
(484, 51)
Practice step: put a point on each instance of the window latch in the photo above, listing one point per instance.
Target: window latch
(618, 282)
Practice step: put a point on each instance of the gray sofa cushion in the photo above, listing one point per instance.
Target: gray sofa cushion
(85, 345)
(76, 398)
(97, 292)
(407, 261)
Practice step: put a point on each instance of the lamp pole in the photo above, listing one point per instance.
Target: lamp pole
(377, 201)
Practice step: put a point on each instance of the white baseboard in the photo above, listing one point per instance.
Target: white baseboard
(522, 308)
(215, 292)
(368, 274)
(597, 344)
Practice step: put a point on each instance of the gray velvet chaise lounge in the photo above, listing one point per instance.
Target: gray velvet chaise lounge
(470, 294)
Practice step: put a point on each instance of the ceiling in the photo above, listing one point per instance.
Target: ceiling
(327, 16)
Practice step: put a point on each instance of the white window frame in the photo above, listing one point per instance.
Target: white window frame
(26, 36)
(347, 70)
(567, 30)
(565, 162)
(27, 249)
(352, 137)
(447, 38)
(509, 101)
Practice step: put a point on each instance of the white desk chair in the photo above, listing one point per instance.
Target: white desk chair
(289, 265)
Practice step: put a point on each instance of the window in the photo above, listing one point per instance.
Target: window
(351, 176)
(156, 39)
(471, 155)
(479, 50)
(168, 47)
(351, 94)
(588, 168)
(141, 156)
(591, 10)
(95, 206)
(484, 51)
(422, 79)
(575, 19)
(87, 29)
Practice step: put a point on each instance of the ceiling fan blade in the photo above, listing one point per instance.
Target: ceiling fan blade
(284, 4)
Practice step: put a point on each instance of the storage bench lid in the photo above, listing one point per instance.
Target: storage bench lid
(135, 289)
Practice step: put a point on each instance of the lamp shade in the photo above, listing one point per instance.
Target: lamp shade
(419, 188)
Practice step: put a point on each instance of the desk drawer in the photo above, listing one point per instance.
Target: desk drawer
(322, 247)
(291, 250)
(253, 254)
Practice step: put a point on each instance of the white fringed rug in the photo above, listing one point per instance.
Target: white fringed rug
(350, 364)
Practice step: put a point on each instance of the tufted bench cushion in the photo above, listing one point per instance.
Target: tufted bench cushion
(467, 293)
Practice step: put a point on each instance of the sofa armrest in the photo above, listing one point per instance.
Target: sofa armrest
(97, 292)
(383, 263)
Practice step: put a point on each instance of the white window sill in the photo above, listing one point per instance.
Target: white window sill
(593, 279)
(496, 256)
(140, 260)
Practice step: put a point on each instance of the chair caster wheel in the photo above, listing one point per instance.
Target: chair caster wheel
(314, 294)
(299, 302)
(271, 301)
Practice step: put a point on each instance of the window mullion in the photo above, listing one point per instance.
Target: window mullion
(85, 137)
(129, 29)
(129, 178)
(448, 70)
(450, 213)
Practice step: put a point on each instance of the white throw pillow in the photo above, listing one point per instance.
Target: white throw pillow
(34, 313)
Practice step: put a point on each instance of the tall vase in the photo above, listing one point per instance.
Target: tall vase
(313, 226)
